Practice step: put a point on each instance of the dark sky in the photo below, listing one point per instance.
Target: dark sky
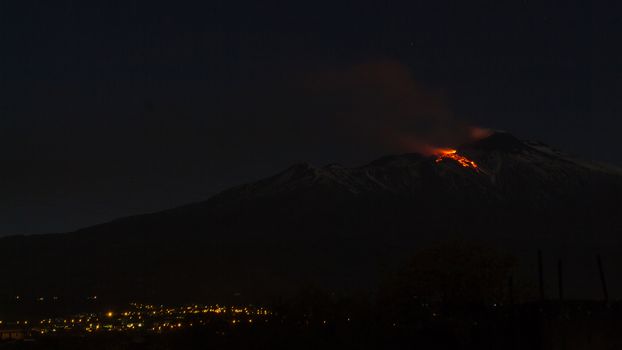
(112, 108)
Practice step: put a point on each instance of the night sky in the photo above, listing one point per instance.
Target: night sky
(110, 108)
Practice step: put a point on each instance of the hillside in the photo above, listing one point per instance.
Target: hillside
(338, 228)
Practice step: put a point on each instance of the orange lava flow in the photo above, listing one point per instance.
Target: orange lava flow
(443, 154)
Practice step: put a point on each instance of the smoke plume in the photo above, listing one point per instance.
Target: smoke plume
(380, 103)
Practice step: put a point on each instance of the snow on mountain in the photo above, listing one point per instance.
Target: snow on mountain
(342, 227)
(506, 166)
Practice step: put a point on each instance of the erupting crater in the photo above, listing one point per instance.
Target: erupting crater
(448, 153)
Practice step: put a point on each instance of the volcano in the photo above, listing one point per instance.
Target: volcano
(340, 228)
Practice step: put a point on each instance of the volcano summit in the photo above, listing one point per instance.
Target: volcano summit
(340, 228)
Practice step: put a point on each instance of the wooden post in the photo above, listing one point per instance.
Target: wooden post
(603, 281)
(511, 290)
(513, 325)
(562, 324)
(560, 280)
(541, 275)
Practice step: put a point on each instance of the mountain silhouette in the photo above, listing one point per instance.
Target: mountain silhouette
(339, 228)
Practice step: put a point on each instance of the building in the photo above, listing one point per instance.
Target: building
(12, 334)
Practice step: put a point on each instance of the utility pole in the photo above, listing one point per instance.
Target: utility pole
(541, 275)
(603, 281)
(560, 280)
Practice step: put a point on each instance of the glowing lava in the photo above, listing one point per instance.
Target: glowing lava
(446, 153)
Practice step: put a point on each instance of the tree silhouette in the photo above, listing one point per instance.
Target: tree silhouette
(449, 276)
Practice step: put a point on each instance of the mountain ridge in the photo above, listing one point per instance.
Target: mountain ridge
(337, 227)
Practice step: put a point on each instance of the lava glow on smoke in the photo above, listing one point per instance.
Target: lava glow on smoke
(448, 153)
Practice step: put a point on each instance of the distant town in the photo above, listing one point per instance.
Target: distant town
(135, 318)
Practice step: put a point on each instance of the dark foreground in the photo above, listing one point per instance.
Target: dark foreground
(578, 325)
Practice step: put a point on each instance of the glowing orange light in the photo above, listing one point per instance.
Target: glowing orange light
(447, 153)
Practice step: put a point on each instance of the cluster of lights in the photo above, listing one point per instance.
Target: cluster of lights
(143, 317)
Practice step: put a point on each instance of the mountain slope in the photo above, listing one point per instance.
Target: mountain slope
(337, 227)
